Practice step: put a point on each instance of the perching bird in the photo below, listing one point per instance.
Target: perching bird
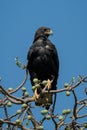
(43, 62)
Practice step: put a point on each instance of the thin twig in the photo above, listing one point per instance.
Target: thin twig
(82, 101)
(6, 113)
(10, 97)
(24, 114)
(82, 116)
(75, 105)
(33, 120)
(81, 107)
(24, 81)
(14, 124)
(70, 87)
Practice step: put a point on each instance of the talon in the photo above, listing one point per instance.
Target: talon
(36, 95)
(48, 85)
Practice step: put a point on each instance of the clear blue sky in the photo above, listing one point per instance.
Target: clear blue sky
(19, 20)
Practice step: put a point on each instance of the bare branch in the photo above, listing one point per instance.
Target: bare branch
(24, 81)
(14, 124)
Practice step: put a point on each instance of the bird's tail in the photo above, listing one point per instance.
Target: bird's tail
(45, 100)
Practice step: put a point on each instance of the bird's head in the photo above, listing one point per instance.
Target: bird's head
(43, 31)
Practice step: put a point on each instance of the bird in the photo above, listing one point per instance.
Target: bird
(43, 64)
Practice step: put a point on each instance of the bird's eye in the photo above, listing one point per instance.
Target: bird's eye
(45, 29)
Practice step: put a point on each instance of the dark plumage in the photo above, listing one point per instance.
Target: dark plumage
(43, 62)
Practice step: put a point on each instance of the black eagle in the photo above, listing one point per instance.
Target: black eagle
(43, 61)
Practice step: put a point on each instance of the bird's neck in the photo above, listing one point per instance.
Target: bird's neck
(40, 37)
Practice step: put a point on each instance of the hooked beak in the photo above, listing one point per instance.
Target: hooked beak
(49, 32)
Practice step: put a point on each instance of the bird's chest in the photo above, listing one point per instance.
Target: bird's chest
(42, 62)
(43, 54)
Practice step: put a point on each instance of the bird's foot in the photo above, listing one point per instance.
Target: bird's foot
(36, 95)
(48, 85)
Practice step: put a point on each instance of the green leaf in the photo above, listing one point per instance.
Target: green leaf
(9, 104)
(35, 80)
(79, 78)
(18, 121)
(48, 117)
(44, 82)
(85, 125)
(64, 112)
(73, 79)
(19, 111)
(26, 94)
(33, 88)
(60, 118)
(43, 112)
(18, 63)
(66, 85)
(24, 105)
(10, 89)
(40, 128)
(68, 111)
(37, 86)
(23, 89)
(67, 93)
(29, 117)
